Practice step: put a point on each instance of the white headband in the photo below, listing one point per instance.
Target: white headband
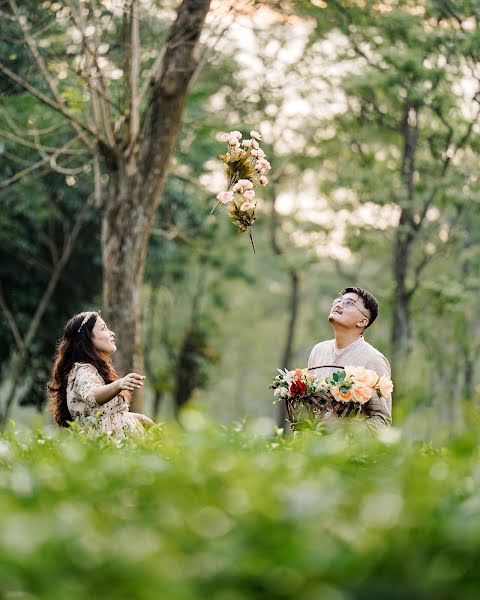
(85, 319)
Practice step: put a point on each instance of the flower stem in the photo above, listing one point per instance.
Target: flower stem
(215, 207)
(251, 238)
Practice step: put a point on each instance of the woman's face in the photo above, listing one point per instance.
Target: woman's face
(103, 339)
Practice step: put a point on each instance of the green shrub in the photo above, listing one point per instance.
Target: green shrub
(224, 514)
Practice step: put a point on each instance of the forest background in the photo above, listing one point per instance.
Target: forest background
(109, 121)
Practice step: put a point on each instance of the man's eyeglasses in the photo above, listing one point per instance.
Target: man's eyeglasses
(349, 302)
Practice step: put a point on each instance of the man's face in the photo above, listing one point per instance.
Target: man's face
(349, 312)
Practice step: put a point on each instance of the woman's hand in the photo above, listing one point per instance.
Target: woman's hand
(144, 420)
(131, 382)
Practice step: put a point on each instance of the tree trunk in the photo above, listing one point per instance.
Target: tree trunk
(125, 233)
(400, 334)
(288, 348)
(281, 415)
(136, 181)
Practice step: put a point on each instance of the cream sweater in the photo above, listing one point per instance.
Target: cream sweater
(359, 354)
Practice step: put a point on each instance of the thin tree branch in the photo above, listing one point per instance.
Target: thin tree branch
(32, 132)
(95, 81)
(41, 307)
(48, 159)
(36, 145)
(32, 45)
(52, 104)
(7, 313)
(133, 63)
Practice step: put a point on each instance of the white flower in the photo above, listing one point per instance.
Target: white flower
(249, 194)
(247, 143)
(266, 164)
(256, 135)
(242, 185)
(263, 180)
(224, 137)
(233, 141)
(247, 206)
(225, 197)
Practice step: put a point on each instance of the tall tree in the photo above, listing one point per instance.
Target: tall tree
(129, 130)
(407, 129)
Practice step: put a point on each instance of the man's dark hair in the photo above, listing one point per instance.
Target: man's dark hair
(369, 301)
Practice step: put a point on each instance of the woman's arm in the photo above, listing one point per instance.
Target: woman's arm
(144, 420)
(130, 382)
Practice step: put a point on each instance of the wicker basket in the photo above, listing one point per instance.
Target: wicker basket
(319, 407)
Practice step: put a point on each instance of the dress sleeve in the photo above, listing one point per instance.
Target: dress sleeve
(86, 380)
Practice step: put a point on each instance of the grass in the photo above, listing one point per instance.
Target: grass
(228, 514)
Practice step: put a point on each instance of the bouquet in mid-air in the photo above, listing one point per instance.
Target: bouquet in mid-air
(245, 168)
(343, 393)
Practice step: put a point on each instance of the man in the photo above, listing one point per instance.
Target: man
(350, 315)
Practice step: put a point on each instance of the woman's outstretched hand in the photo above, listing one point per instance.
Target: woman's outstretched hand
(144, 420)
(131, 382)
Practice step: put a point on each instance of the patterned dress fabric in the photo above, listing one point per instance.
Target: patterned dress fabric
(113, 417)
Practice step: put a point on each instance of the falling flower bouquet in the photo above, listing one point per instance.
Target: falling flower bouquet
(245, 168)
(342, 394)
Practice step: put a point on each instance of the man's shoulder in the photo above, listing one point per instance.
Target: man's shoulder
(375, 354)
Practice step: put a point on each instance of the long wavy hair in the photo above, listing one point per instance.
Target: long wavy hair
(76, 346)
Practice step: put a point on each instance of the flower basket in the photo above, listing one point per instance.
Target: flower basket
(341, 395)
(319, 407)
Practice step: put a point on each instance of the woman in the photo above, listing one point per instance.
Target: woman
(84, 386)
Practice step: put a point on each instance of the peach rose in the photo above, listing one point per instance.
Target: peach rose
(385, 385)
(362, 392)
(365, 376)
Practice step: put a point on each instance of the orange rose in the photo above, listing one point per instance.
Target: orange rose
(341, 396)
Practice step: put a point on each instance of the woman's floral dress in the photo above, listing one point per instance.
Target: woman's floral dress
(112, 417)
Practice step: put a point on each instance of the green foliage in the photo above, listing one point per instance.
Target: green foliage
(216, 513)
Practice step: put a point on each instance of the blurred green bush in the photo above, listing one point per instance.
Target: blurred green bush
(238, 513)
